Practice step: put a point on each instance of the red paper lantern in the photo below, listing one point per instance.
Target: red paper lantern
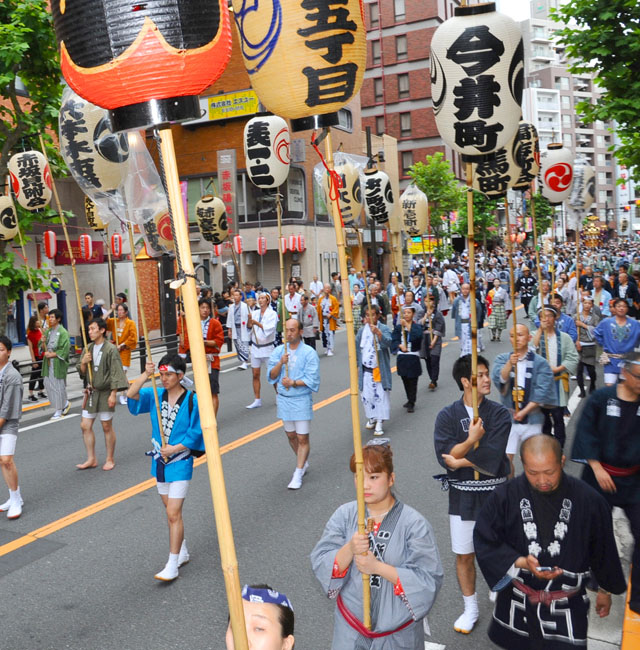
(262, 245)
(147, 62)
(237, 244)
(116, 244)
(217, 250)
(521, 237)
(86, 247)
(302, 245)
(50, 244)
(283, 245)
(293, 243)
(513, 237)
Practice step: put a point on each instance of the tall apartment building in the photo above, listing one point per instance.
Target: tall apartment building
(396, 94)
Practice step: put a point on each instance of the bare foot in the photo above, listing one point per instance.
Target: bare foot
(89, 464)
(108, 465)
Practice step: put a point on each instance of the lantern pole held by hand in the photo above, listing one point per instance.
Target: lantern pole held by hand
(512, 289)
(113, 290)
(353, 373)
(71, 257)
(228, 557)
(281, 258)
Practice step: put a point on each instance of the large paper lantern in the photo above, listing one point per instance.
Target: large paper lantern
(237, 244)
(116, 244)
(556, 173)
(266, 151)
(526, 153)
(350, 194)
(147, 62)
(91, 213)
(50, 244)
(306, 59)
(283, 245)
(379, 202)
(415, 211)
(30, 179)
(292, 243)
(212, 219)
(262, 245)
(162, 222)
(477, 78)
(217, 250)
(86, 247)
(301, 243)
(94, 155)
(495, 173)
(8, 219)
(584, 186)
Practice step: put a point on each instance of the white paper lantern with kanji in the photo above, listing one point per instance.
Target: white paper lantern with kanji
(212, 219)
(494, 174)
(526, 153)
(86, 247)
(237, 244)
(350, 194)
(302, 244)
(292, 244)
(415, 211)
(283, 245)
(584, 186)
(116, 244)
(262, 245)
(477, 79)
(217, 250)
(556, 173)
(379, 201)
(266, 151)
(30, 179)
(50, 244)
(8, 219)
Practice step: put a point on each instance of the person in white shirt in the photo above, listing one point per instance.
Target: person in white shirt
(315, 288)
(262, 324)
(292, 302)
(237, 324)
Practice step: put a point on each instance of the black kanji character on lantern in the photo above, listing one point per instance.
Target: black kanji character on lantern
(152, 234)
(480, 94)
(328, 19)
(493, 184)
(476, 50)
(478, 134)
(260, 175)
(498, 164)
(258, 140)
(329, 85)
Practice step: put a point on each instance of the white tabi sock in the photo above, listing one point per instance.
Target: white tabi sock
(173, 560)
(14, 495)
(183, 548)
(471, 604)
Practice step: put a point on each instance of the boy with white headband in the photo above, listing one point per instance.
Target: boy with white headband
(172, 463)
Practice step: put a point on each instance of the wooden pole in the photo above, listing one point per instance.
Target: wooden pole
(228, 557)
(512, 289)
(281, 258)
(71, 257)
(113, 294)
(236, 263)
(353, 379)
(426, 296)
(472, 300)
(577, 270)
(26, 265)
(145, 332)
(538, 267)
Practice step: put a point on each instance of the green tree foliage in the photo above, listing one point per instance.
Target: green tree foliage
(544, 213)
(28, 55)
(603, 37)
(485, 224)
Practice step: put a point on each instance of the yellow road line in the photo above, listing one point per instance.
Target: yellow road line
(630, 627)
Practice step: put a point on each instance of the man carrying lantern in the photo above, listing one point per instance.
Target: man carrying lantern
(461, 314)
(237, 319)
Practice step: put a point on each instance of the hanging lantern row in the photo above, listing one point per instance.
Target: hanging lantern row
(8, 219)
(237, 244)
(50, 244)
(302, 244)
(292, 243)
(217, 250)
(212, 219)
(266, 151)
(283, 245)
(262, 245)
(116, 244)
(30, 179)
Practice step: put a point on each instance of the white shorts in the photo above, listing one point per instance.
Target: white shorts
(258, 362)
(8, 444)
(105, 416)
(611, 378)
(461, 535)
(519, 433)
(174, 489)
(301, 427)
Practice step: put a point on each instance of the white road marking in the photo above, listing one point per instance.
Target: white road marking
(46, 422)
(574, 400)
(433, 646)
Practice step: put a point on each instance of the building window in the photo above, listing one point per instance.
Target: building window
(567, 140)
(599, 141)
(374, 14)
(600, 159)
(375, 52)
(377, 90)
(602, 196)
(566, 121)
(566, 101)
(562, 83)
(403, 86)
(405, 124)
(380, 125)
(345, 120)
(398, 9)
(602, 178)
(401, 47)
(407, 161)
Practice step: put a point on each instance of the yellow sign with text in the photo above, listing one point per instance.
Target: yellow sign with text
(229, 105)
(414, 247)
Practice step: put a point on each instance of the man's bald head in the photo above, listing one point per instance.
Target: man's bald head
(541, 445)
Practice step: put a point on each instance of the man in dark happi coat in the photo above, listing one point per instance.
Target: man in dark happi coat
(474, 456)
(538, 539)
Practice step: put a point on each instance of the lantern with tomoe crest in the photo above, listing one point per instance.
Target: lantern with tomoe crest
(314, 50)
(30, 179)
(212, 219)
(146, 62)
(50, 244)
(556, 173)
(415, 211)
(350, 194)
(379, 202)
(266, 151)
(8, 219)
(477, 77)
(526, 153)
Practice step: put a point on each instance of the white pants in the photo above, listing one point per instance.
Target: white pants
(56, 391)
(328, 335)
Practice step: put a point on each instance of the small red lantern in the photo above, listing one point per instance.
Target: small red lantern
(283, 245)
(512, 237)
(116, 244)
(86, 247)
(237, 244)
(50, 244)
(302, 245)
(217, 250)
(262, 245)
(521, 237)
(293, 243)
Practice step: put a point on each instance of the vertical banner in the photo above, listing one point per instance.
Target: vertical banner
(227, 185)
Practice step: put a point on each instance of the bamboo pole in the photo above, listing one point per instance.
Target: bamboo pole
(145, 332)
(112, 297)
(26, 265)
(353, 379)
(71, 257)
(512, 289)
(426, 296)
(472, 301)
(228, 557)
(538, 267)
(577, 270)
(281, 258)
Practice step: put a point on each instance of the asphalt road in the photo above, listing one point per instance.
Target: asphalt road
(87, 581)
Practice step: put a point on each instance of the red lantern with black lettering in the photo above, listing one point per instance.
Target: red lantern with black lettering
(217, 250)
(292, 244)
(302, 245)
(237, 244)
(283, 245)
(116, 244)
(146, 62)
(262, 245)
(86, 247)
(50, 244)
